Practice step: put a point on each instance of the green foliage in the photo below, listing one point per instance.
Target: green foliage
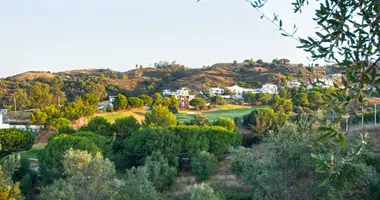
(39, 95)
(9, 190)
(134, 102)
(174, 103)
(120, 102)
(66, 130)
(218, 100)
(38, 117)
(204, 164)
(157, 99)
(99, 125)
(301, 100)
(198, 103)
(96, 181)
(227, 123)
(263, 97)
(75, 160)
(316, 100)
(126, 126)
(57, 123)
(261, 120)
(160, 116)
(147, 140)
(201, 192)
(198, 120)
(161, 174)
(13, 140)
(166, 101)
(51, 157)
(99, 91)
(239, 159)
(285, 93)
(21, 99)
(146, 99)
(138, 186)
(26, 184)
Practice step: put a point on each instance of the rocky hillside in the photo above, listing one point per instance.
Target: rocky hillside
(150, 80)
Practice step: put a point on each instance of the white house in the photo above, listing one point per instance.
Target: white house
(3, 112)
(216, 91)
(183, 91)
(269, 88)
(237, 91)
(292, 84)
(111, 98)
(324, 82)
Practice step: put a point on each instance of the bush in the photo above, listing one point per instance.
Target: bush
(239, 159)
(161, 174)
(138, 186)
(26, 184)
(204, 165)
(160, 116)
(134, 102)
(110, 108)
(218, 100)
(199, 120)
(51, 157)
(99, 125)
(201, 192)
(227, 123)
(125, 126)
(13, 140)
(66, 130)
(198, 103)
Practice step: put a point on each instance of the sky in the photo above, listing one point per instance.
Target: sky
(59, 35)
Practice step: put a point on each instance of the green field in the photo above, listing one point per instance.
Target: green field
(230, 112)
(111, 117)
(33, 152)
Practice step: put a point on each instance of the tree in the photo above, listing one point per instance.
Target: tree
(126, 126)
(13, 140)
(21, 99)
(249, 96)
(218, 100)
(57, 123)
(120, 102)
(263, 97)
(227, 91)
(99, 125)
(161, 174)
(91, 180)
(75, 160)
(9, 190)
(316, 100)
(198, 103)
(134, 102)
(160, 116)
(146, 99)
(166, 101)
(157, 99)
(201, 192)
(59, 97)
(301, 100)
(39, 95)
(204, 165)
(285, 93)
(261, 120)
(99, 91)
(138, 186)
(198, 120)
(228, 123)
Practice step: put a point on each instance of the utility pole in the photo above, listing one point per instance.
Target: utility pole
(375, 114)
(14, 101)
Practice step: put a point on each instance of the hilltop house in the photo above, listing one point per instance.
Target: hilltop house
(182, 95)
(216, 91)
(292, 84)
(237, 91)
(269, 88)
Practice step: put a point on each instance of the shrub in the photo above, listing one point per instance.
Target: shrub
(204, 165)
(99, 125)
(26, 184)
(161, 174)
(110, 108)
(51, 157)
(201, 192)
(138, 186)
(218, 100)
(66, 130)
(125, 126)
(120, 102)
(198, 103)
(134, 102)
(146, 99)
(13, 140)
(227, 123)
(199, 120)
(160, 116)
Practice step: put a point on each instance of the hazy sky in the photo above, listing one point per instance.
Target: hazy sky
(57, 35)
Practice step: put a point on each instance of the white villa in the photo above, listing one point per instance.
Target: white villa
(183, 91)
(292, 84)
(269, 88)
(237, 91)
(324, 82)
(216, 91)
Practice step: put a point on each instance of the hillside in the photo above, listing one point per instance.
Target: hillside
(150, 80)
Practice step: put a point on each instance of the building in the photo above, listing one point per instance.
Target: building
(182, 95)
(182, 91)
(2, 113)
(269, 88)
(324, 82)
(216, 91)
(111, 99)
(293, 84)
(237, 91)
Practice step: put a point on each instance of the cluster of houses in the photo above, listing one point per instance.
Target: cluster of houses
(182, 95)
(237, 91)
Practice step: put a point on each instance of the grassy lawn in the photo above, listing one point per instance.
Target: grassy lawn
(32, 153)
(230, 111)
(111, 117)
